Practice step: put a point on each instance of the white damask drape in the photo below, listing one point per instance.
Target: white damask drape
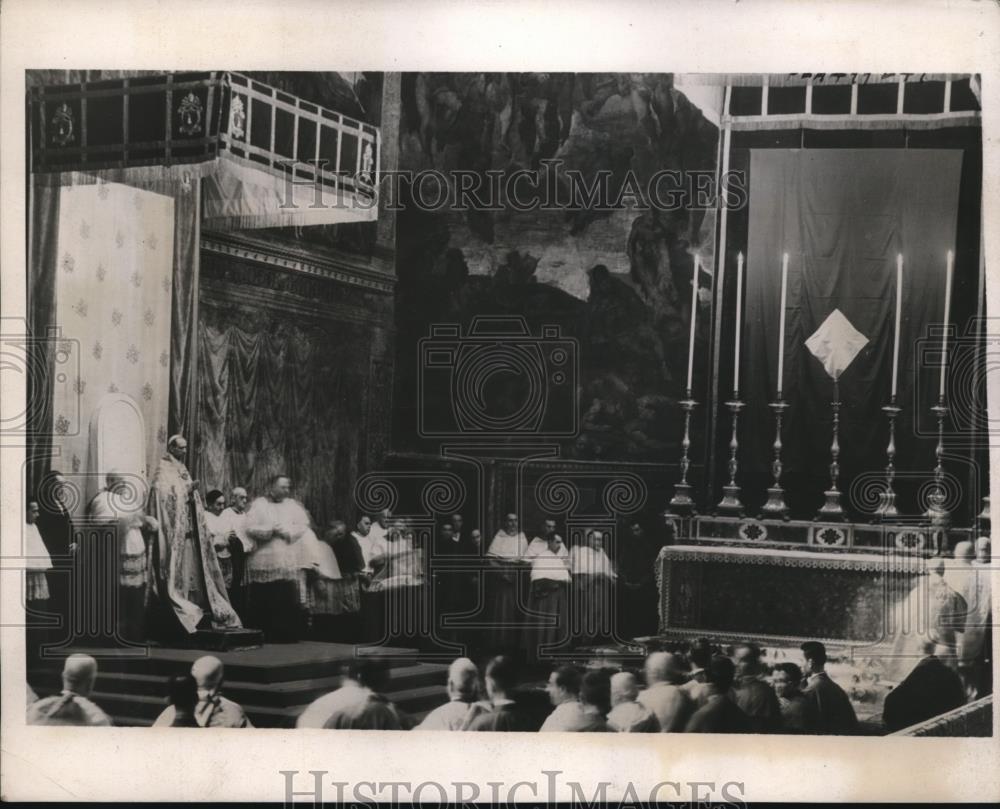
(113, 269)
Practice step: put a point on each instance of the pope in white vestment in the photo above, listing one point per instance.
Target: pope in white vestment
(188, 578)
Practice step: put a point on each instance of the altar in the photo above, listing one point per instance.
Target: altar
(770, 594)
(792, 580)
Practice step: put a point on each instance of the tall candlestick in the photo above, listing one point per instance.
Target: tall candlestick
(694, 315)
(899, 302)
(947, 313)
(739, 320)
(781, 321)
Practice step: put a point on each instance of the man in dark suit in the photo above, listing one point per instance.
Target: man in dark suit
(505, 714)
(931, 689)
(718, 713)
(829, 703)
(755, 697)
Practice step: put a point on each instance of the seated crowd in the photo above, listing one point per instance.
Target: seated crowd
(701, 690)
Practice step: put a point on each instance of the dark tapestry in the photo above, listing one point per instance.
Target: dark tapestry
(842, 216)
(283, 393)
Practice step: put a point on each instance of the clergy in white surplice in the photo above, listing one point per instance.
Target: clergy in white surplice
(504, 581)
(284, 547)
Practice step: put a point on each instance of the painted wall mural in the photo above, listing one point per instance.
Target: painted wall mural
(616, 279)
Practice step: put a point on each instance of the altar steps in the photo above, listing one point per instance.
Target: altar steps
(273, 684)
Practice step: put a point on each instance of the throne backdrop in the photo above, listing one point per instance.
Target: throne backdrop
(113, 267)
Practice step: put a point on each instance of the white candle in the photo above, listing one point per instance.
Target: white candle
(899, 304)
(694, 315)
(781, 322)
(739, 318)
(947, 312)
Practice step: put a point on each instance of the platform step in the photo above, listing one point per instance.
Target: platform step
(273, 663)
(225, 640)
(273, 684)
(286, 694)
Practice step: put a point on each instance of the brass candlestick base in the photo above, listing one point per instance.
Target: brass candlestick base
(682, 503)
(831, 511)
(731, 505)
(775, 507)
(887, 510)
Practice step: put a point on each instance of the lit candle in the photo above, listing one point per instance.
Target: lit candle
(739, 317)
(899, 304)
(694, 314)
(781, 322)
(947, 312)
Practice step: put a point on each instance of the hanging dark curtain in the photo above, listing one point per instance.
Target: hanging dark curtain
(842, 216)
(40, 351)
(183, 335)
(282, 394)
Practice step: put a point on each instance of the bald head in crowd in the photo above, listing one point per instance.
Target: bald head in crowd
(463, 680)
(983, 550)
(207, 673)
(662, 667)
(79, 674)
(624, 688)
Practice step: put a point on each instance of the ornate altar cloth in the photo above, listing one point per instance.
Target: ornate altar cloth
(770, 594)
